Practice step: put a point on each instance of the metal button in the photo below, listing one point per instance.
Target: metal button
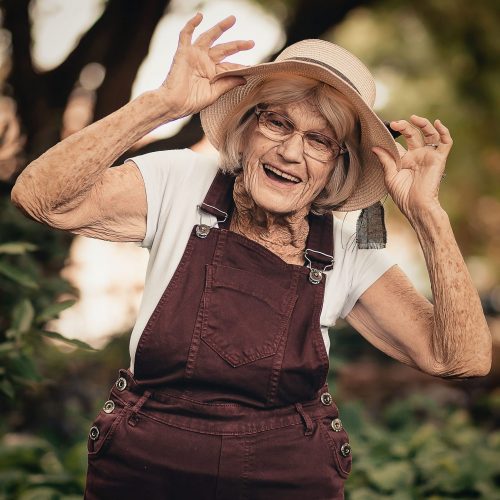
(345, 449)
(109, 406)
(121, 384)
(202, 230)
(94, 433)
(337, 424)
(315, 276)
(326, 398)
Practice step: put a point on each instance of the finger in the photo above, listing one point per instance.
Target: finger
(225, 84)
(227, 66)
(186, 34)
(207, 38)
(387, 161)
(431, 135)
(223, 50)
(444, 136)
(412, 135)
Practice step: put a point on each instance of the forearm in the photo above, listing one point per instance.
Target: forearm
(59, 179)
(461, 340)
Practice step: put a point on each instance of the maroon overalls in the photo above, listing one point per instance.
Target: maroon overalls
(228, 398)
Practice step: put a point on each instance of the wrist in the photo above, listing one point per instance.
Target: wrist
(431, 215)
(165, 104)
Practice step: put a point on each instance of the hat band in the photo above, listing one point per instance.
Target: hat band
(327, 66)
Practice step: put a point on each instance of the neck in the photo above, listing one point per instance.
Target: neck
(284, 235)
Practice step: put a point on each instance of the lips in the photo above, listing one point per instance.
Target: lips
(276, 173)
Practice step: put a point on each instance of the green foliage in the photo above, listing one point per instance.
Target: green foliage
(30, 286)
(419, 449)
(439, 59)
(32, 469)
(47, 461)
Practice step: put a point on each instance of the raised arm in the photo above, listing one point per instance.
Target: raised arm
(450, 338)
(72, 186)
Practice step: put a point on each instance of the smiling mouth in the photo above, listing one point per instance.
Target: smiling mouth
(277, 175)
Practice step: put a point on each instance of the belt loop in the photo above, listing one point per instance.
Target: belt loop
(308, 423)
(134, 419)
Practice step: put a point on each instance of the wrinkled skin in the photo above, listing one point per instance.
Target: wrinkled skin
(270, 211)
(274, 196)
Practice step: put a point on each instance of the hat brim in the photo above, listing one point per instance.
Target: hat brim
(371, 186)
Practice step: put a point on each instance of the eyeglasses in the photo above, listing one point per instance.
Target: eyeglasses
(279, 128)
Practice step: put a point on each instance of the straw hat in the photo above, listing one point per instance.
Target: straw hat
(329, 63)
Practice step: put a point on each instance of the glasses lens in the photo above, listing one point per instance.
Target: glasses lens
(320, 146)
(275, 125)
(278, 128)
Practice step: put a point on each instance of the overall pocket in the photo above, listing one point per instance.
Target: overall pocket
(243, 315)
(103, 429)
(337, 442)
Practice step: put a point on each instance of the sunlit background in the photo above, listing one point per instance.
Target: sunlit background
(414, 436)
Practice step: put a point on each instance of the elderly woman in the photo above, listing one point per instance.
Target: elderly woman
(226, 394)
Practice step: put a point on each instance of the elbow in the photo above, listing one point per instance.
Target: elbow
(472, 360)
(472, 369)
(25, 198)
(20, 199)
(17, 194)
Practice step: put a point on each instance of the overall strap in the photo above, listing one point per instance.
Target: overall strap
(319, 246)
(219, 198)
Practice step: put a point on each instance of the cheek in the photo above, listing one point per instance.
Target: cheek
(320, 179)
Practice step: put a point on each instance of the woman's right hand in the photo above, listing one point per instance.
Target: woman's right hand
(188, 87)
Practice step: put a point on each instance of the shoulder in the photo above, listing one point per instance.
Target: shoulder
(177, 169)
(181, 160)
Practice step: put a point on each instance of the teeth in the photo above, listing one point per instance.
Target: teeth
(282, 174)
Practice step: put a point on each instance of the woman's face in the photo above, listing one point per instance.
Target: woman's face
(265, 161)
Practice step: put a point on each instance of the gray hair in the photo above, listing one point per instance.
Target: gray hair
(283, 88)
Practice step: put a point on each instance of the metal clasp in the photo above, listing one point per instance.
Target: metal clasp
(315, 274)
(202, 230)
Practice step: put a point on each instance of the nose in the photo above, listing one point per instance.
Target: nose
(292, 149)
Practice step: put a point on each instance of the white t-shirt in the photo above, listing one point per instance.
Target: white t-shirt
(176, 182)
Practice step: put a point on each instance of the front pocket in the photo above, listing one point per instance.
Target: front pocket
(244, 315)
(106, 424)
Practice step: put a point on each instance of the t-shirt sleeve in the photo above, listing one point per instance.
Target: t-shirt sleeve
(163, 173)
(367, 266)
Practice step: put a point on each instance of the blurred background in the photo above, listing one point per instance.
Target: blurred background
(67, 304)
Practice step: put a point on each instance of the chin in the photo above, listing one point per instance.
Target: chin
(275, 208)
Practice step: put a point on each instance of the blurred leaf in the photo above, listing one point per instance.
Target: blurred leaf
(7, 388)
(25, 449)
(22, 316)
(6, 347)
(24, 367)
(392, 476)
(74, 342)
(42, 493)
(53, 310)
(18, 276)
(17, 248)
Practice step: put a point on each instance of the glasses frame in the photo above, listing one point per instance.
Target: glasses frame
(259, 111)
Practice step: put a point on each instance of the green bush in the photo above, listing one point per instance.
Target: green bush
(419, 449)
(30, 285)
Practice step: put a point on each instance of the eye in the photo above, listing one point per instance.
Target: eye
(277, 122)
(320, 141)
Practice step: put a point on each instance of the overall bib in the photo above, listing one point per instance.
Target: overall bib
(228, 400)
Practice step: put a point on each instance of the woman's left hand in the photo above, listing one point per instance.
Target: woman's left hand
(415, 187)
